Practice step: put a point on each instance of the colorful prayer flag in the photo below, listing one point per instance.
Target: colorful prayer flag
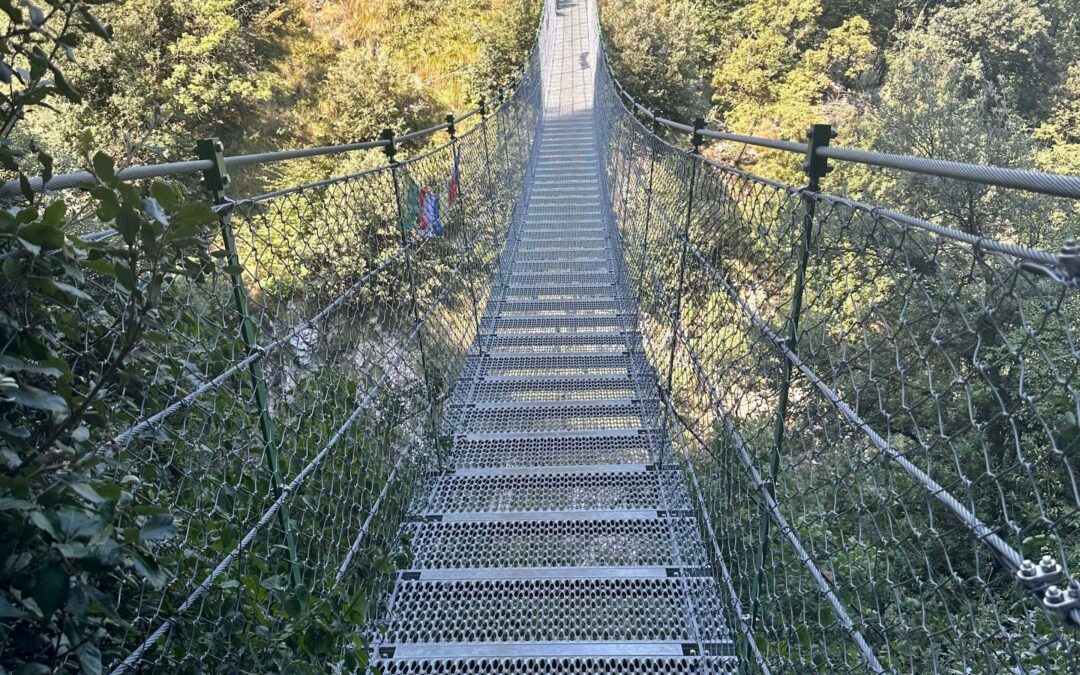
(430, 224)
(410, 203)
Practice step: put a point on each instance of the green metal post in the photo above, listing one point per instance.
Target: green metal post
(816, 167)
(470, 235)
(487, 167)
(390, 150)
(699, 124)
(217, 179)
(676, 322)
(648, 205)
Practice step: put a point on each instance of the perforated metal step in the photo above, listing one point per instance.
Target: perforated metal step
(579, 343)
(582, 449)
(562, 266)
(550, 240)
(611, 665)
(513, 307)
(555, 492)
(580, 292)
(550, 389)
(558, 324)
(633, 542)
(552, 281)
(556, 364)
(437, 613)
(548, 416)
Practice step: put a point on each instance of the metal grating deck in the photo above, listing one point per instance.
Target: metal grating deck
(556, 539)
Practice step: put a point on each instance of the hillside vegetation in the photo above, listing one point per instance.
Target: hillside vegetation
(984, 81)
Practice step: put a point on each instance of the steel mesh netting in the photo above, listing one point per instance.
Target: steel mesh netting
(873, 481)
(288, 445)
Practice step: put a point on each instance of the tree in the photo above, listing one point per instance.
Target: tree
(784, 71)
(176, 71)
(936, 103)
(1061, 130)
(659, 52)
(1006, 43)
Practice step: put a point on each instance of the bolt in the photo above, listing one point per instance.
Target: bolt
(1053, 596)
(1027, 569)
(1047, 564)
(1074, 589)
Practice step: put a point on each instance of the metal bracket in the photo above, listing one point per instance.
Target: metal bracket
(390, 150)
(816, 166)
(1063, 602)
(1034, 577)
(217, 178)
(1069, 262)
(451, 128)
(698, 139)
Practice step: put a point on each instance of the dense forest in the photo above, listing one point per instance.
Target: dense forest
(983, 81)
(268, 74)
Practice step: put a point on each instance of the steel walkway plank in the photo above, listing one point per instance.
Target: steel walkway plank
(555, 534)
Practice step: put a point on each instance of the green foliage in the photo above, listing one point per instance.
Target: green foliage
(659, 53)
(363, 94)
(996, 77)
(785, 72)
(174, 72)
(73, 527)
(1006, 43)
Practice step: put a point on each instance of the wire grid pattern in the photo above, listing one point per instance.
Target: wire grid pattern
(879, 419)
(554, 533)
(358, 323)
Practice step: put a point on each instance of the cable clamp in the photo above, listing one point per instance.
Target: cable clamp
(1034, 577)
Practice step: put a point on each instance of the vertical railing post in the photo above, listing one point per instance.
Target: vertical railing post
(816, 168)
(620, 136)
(390, 150)
(501, 151)
(676, 320)
(471, 236)
(216, 180)
(648, 204)
(492, 190)
(628, 167)
(526, 130)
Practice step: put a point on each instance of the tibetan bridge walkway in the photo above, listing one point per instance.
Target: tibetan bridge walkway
(560, 538)
(542, 389)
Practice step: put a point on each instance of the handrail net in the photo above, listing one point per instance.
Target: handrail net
(293, 396)
(881, 414)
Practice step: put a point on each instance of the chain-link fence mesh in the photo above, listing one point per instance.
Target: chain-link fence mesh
(296, 400)
(881, 417)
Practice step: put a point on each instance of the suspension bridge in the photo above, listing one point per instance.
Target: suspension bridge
(561, 396)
